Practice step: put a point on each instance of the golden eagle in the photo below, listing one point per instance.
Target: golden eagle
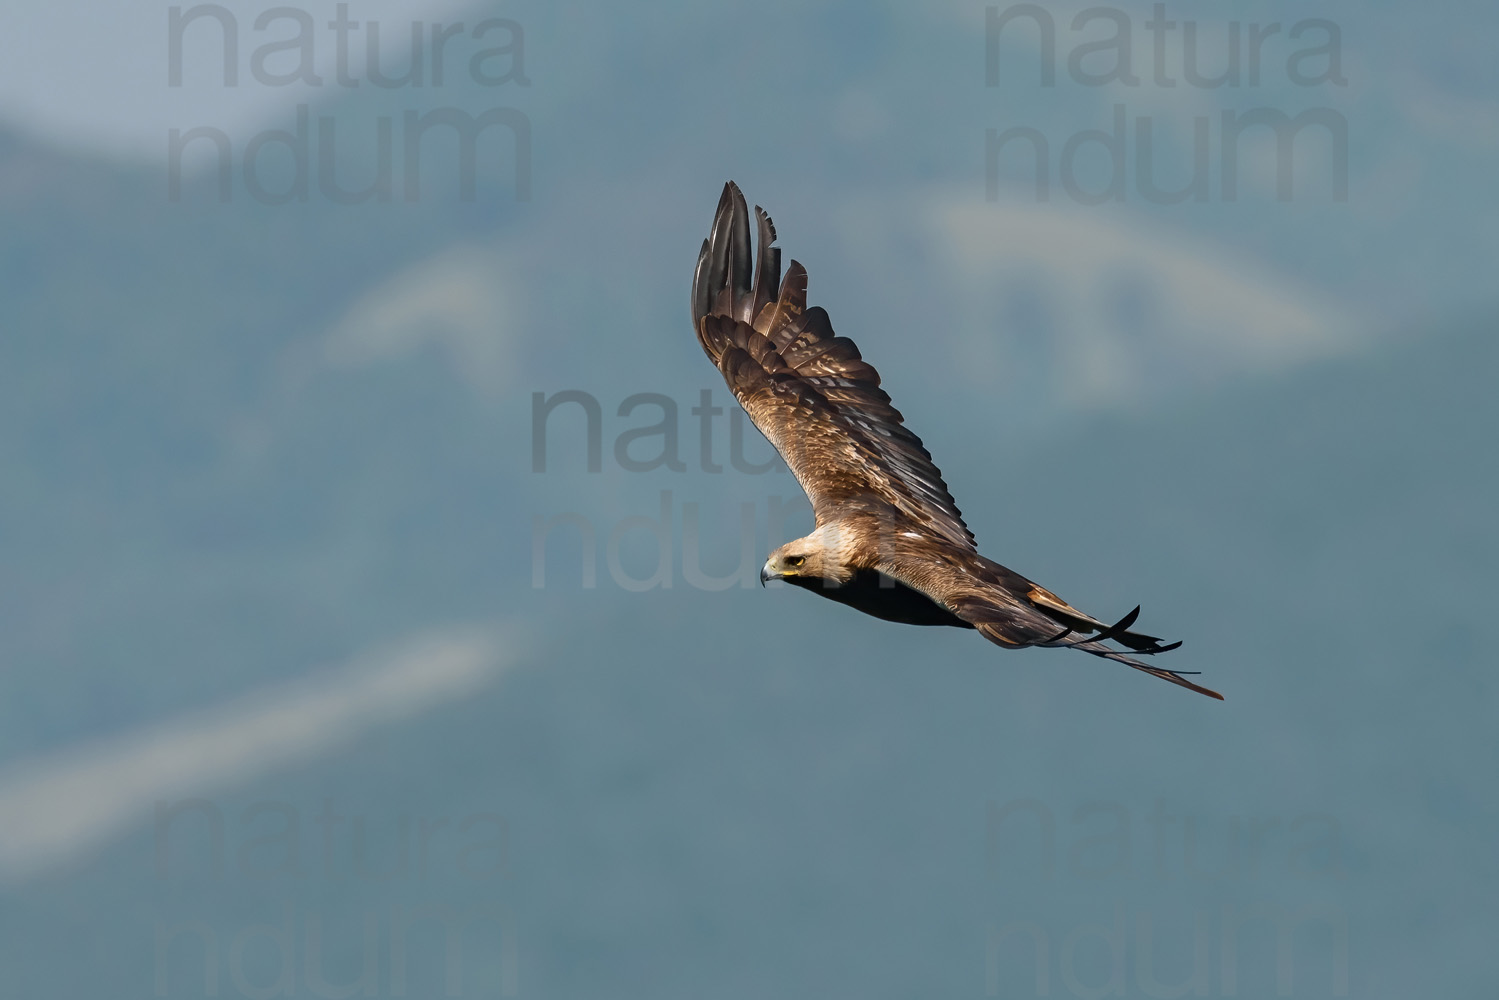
(889, 540)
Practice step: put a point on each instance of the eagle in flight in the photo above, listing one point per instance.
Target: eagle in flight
(889, 540)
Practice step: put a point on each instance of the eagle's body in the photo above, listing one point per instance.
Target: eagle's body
(874, 593)
(889, 540)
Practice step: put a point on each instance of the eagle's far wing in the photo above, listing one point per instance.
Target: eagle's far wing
(809, 391)
(1009, 610)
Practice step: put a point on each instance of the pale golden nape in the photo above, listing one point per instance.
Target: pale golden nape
(811, 558)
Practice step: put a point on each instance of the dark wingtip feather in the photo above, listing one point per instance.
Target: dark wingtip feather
(700, 287)
(1174, 676)
(1113, 631)
(767, 265)
(725, 284)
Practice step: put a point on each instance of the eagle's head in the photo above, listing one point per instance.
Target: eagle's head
(808, 561)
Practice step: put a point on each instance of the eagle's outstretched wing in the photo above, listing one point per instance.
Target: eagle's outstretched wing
(810, 393)
(1009, 610)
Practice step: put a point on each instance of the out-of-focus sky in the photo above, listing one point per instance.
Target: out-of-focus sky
(93, 75)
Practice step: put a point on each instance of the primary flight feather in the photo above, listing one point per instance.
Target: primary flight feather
(889, 540)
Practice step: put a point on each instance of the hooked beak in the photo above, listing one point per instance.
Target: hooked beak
(766, 574)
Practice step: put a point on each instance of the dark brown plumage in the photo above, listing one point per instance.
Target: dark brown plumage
(889, 540)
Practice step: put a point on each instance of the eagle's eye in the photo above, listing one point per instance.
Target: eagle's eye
(795, 560)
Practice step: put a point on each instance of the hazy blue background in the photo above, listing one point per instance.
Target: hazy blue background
(267, 509)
